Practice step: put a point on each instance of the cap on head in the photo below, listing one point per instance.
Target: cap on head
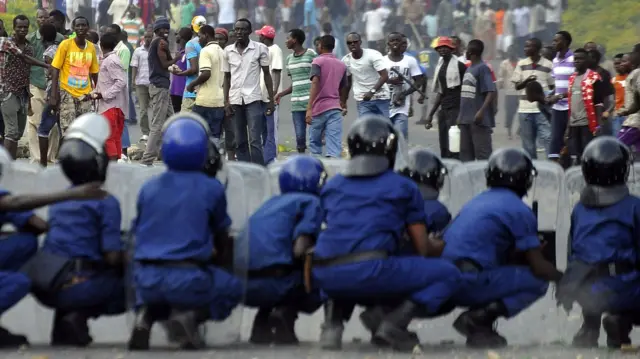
(197, 22)
(267, 31)
(161, 23)
(444, 41)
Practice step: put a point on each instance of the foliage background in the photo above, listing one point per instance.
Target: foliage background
(16, 7)
(612, 23)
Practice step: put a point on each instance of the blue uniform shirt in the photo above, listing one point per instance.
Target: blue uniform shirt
(489, 227)
(278, 223)
(367, 213)
(18, 219)
(436, 214)
(606, 235)
(84, 229)
(178, 215)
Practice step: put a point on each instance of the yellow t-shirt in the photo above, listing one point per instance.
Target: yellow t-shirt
(209, 94)
(75, 66)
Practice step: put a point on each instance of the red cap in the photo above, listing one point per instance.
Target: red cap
(444, 41)
(223, 31)
(267, 31)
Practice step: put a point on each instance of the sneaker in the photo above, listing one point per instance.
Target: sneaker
(124, 159)
(144, 138)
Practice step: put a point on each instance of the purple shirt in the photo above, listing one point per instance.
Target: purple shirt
(333, 76)
(178, 82)
(562, 70)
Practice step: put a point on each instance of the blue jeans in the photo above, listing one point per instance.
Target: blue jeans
(373, 107)
(300, 127)
(131, 117)
(336, 25)
(534, 126)
(249, 121)
(400, 122)
(331, 122)
(214, 117)
(616, 124)
(269, 145)
(559, 126)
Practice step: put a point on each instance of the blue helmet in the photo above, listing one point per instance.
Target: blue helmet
(302, 173)
(185, 142)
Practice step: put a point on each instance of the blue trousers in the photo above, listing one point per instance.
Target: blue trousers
(331, 122)
(611, 294)
(430, 282)
(300, 127)
(515, 286)
(287, 291)
(15, 251)
(188, 288)
(269, 145)
(373, 107)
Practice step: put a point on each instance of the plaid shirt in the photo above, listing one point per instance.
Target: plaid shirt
(14, 71)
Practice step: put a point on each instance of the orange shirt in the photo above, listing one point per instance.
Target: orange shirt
(499, 21)
(618, 85)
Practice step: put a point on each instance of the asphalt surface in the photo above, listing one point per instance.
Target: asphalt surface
(540, 332)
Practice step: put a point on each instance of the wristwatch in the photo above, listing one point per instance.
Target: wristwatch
(373, 91)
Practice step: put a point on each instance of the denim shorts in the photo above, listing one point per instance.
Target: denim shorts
(48, 120)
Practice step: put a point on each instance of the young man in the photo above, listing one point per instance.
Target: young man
(401, 67)
(504, 83)
(209, 97)
(623, 68)
(74, 69)
(477, 114)
(15, 64)
(140, 69)
(298, 66)
(534, 127)
(192, 52)
(48, 130)
(111, 93)
(368, 75)
(327, 100)
(630, 132)
(595, 57)
(270, 131)
(562, 69)
(586, 105)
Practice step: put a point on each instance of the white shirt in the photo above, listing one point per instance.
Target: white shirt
(373, 20)
(246, 70)
(275, 63)
(409, 68)
(364, 74)
(521, 21)
(117, 9)
(554, 11)
(537, 20)
(140, 60)
(226, 12)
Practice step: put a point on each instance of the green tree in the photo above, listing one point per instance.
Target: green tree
(19, 7)
(612, 23)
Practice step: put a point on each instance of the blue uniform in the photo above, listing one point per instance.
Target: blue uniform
(15, 251)
(437, 215)
(179, 214)
(87, 230)
(486, 231)
(273, 229)
(608, 235)
(371, 214)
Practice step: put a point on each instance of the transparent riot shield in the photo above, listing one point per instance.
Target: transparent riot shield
(20, 176)
(445, 192)
(549, 194)
(257, 181)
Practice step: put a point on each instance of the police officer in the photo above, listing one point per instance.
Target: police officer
(602, 275)
(181, 229)
(282, 230)
(368, 209)
(480, 241)
(17, 249)
(83, 243)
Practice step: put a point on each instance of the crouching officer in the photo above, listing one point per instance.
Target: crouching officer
(281, 232)
(368, 209)
(603, 275)
(79, 270)
(480, 241)
(16, 250)
(181, 226)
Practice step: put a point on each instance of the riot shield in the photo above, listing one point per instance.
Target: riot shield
(20, 176)
(446, 190)
(257, 181)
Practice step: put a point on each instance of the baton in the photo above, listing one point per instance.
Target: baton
(409, 82)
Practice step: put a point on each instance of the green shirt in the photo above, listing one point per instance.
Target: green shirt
(37, 76)
(186, 14)
(299, 69)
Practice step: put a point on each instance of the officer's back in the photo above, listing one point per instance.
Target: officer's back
(191, 199)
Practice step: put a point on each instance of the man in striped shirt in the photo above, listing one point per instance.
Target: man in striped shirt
(298, 65)
(562, 70)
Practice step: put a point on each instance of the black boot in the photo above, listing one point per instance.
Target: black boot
(262, 332)
(393, 329)
(9, 340)
(372, 317)
(589, 333)
(141, 332)
(186, 324)
(71, 329)
(618, 327)
(477, 325)
(333, 326)
(283, 322)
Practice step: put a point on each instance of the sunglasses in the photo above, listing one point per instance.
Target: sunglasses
(353, 42)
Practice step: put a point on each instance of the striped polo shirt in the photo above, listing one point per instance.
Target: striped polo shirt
(542, 71)
(299, 69)
(562, 70)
